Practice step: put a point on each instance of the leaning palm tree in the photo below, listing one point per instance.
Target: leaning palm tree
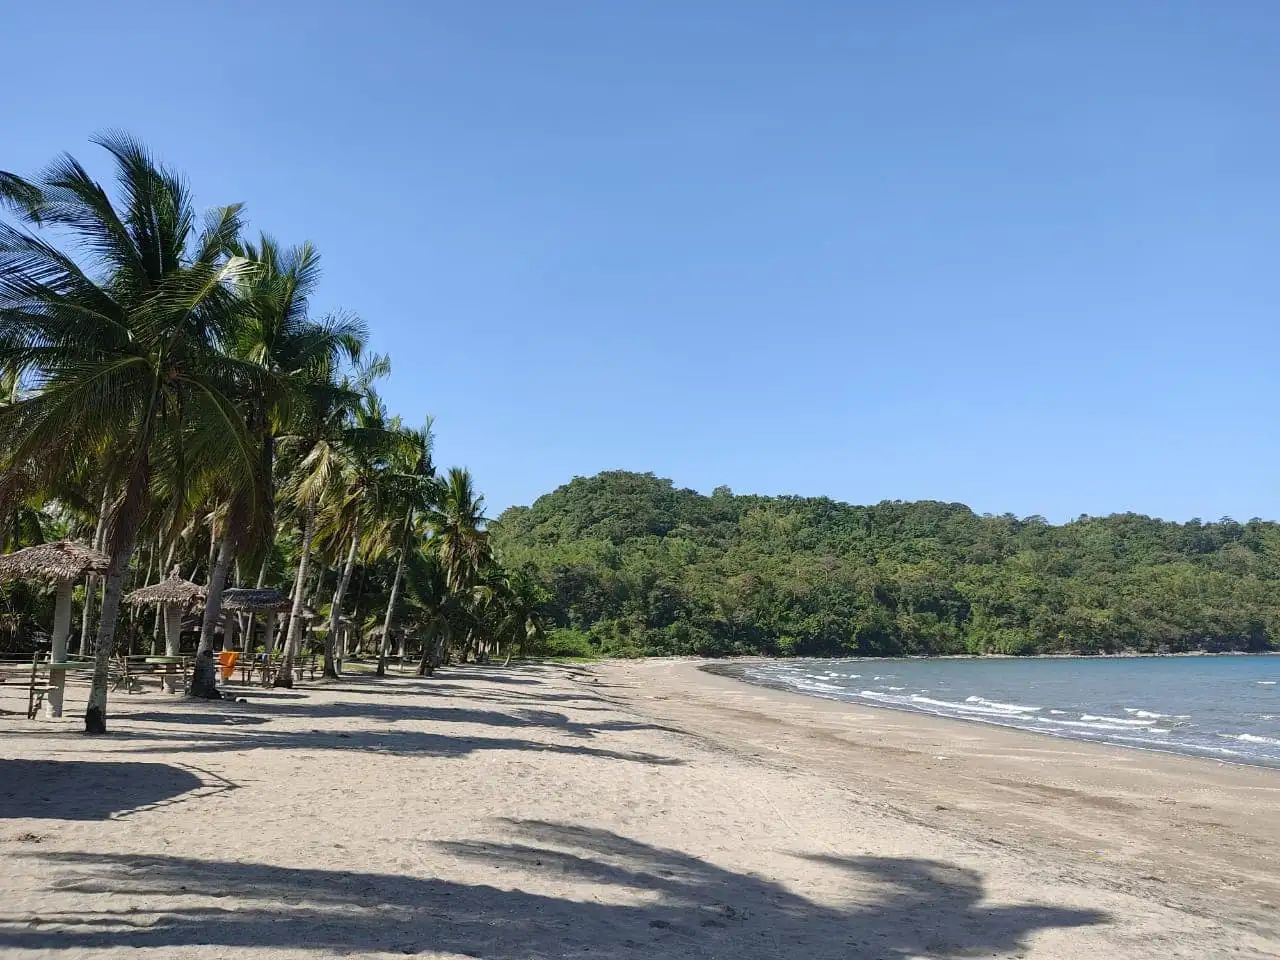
(120, 345)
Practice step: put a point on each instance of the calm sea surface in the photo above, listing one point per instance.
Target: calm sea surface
(1226, 708)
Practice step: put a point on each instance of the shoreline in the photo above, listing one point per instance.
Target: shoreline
(1126, 655)
(728, 671)
(946, 725)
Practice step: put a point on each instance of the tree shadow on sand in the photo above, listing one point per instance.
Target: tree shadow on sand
(661, 903)
(56, 789)
(514, 716)
(395, 742)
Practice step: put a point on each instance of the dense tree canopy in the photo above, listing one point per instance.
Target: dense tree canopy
(634, 566)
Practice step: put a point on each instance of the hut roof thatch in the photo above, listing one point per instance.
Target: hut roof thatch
(60, 560)
(309, 612)
(173, 589)
(261, 600)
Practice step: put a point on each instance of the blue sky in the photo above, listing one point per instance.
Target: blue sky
(1021, 255)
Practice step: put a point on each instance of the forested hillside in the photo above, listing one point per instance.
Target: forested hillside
(633, 566)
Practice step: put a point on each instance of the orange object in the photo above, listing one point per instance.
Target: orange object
(227, 662)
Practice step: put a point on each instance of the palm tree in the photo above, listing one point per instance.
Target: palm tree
(413, 493)
(121, 352)
(460, 545)
(272, 331)
(520, 620)
(329, 443)
(460, 539)
(434, 611)
(374, 440)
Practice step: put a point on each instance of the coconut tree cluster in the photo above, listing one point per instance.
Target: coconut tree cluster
(170, 400)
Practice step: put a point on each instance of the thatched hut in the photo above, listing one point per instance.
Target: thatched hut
(174, 596)
(61, 563)
(264, 600)
(53, 562)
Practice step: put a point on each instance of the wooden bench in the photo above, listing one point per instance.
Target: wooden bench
(308, 664)
(266, 670)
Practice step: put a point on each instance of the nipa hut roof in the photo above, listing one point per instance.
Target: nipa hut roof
(309, 612)
(60, 560)
(173, 589)
(261, 600)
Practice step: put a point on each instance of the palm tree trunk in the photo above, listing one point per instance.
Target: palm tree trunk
(424, 665)
(284, 676)
(203, 677)
(436, 637)
(95, 715)
(335, 609)
(321, 570)
(357, 634)
(91, 582)
(251, 626)
(294, 596)
(213, 554)
(162, 626)
(389, 619)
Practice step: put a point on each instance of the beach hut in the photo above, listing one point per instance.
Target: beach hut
(264, 600)
(175, 596)
(61, 563)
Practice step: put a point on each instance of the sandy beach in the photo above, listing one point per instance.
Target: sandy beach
(630, 809)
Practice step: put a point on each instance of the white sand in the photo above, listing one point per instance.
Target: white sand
(633, 810)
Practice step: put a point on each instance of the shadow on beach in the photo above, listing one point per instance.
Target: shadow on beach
(54, 789)
(668, 904)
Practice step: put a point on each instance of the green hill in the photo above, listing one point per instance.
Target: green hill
(632, 565)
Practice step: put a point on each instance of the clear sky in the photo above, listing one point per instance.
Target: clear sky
(1021, 255)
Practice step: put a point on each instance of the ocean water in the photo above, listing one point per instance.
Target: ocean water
(1226, 708)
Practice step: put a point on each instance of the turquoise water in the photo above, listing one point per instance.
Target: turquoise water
(1227, 708)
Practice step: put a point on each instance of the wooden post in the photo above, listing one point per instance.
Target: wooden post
(172, 641)
(58, 651)
(269, 633)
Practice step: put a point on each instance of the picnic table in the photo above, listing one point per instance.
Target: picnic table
(174, 669)
(268, 668)
(134, 668)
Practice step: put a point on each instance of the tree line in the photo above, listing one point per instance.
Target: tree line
(630, 565)
(167, 396)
